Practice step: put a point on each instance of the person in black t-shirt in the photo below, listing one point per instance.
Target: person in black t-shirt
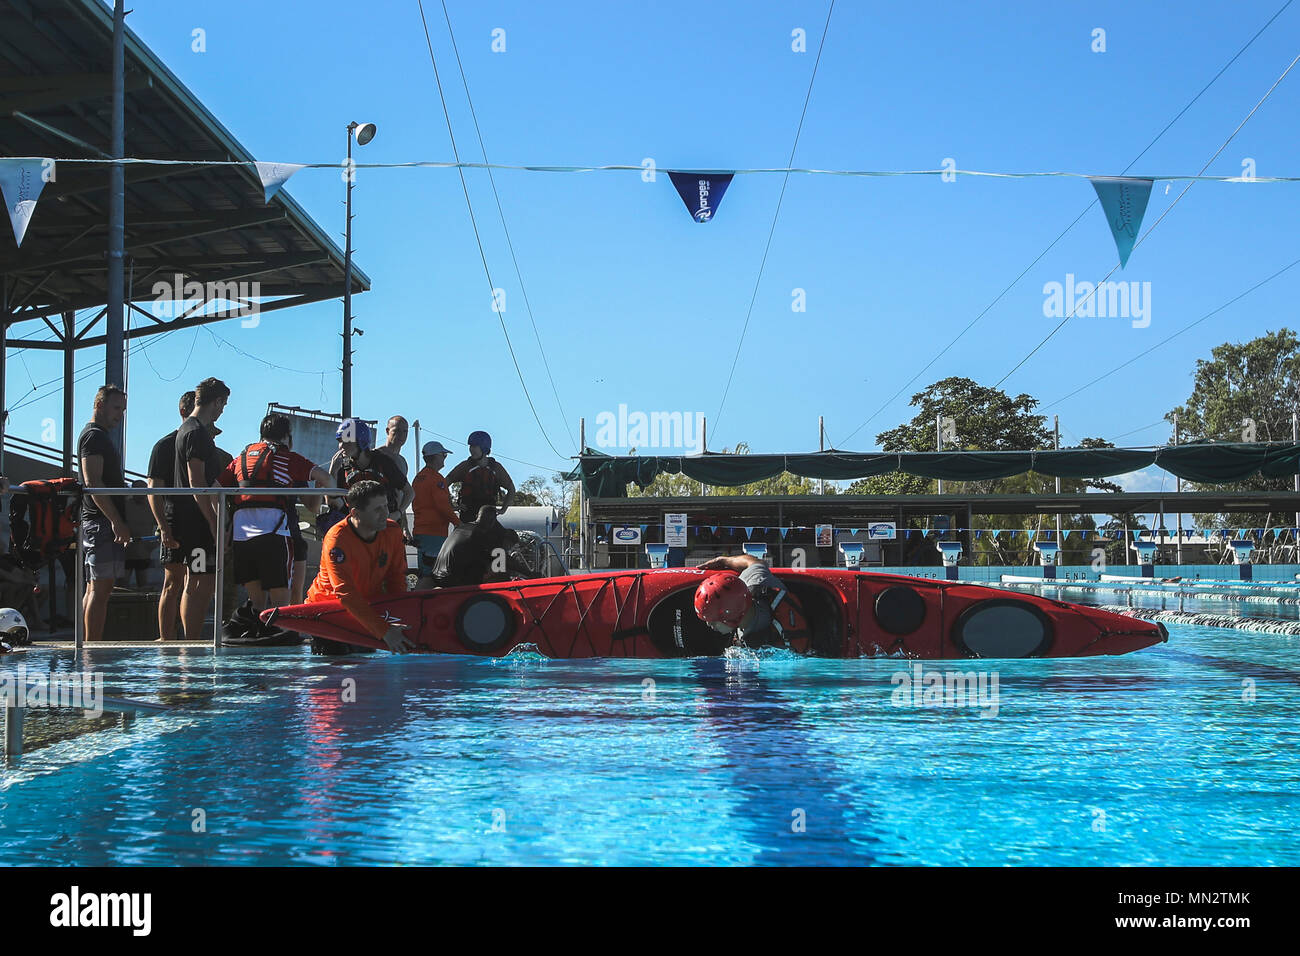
(195, 516)
(104, 531)
(162, 474)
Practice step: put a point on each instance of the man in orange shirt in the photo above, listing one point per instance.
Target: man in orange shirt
(433, 511)
(364, 557)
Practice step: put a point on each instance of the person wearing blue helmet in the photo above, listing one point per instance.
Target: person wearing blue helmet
(357, 461)
(481, 479)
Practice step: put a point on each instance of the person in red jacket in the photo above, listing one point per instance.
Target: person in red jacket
(363, 557)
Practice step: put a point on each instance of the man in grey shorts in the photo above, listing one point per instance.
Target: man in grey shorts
(104, 532)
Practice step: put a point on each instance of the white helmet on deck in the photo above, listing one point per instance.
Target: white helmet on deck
(13, 627)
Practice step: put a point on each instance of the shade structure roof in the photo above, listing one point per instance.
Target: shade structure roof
(209, 224)
(607, 476)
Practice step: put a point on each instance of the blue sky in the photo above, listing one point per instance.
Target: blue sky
(637, 304)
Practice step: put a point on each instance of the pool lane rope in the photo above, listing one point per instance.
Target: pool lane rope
(1208, 620)
(1193, 593)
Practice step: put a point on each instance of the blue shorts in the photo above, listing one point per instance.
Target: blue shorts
(104, 557)
(429, 545)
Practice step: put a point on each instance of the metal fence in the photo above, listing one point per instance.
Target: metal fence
(221, 494)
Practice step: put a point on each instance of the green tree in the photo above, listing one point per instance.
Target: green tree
(1243, 388)
(984, 419)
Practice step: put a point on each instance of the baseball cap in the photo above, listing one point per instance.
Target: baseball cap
(433, 448)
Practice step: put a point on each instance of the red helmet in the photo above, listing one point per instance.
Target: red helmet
(722, 598)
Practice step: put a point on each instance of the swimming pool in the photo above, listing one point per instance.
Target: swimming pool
(1159, 757)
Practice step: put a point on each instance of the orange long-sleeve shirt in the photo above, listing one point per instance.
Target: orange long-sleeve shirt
(355, 572)
(432, 504)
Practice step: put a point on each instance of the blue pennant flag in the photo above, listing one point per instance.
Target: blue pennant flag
(21, 182)
(1065, 535)
(784, 532)
(1124, 201)
(1031, 534)
(702, 192)
(978, 532)
(713, 528)
(607, 527)
(1136, 533)
(1241, 532)
(749, 532)
(643, 529)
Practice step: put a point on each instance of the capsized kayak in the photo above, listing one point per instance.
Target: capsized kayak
(650, 614)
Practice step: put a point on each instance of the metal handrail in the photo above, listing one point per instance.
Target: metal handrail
(221, 494)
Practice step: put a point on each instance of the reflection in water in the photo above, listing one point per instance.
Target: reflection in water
(786, 788)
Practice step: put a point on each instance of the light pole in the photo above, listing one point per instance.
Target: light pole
(364, 133)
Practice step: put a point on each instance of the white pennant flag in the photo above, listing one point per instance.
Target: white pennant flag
(275, 175)
(21, 182)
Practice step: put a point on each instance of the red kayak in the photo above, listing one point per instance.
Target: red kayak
(650, 614)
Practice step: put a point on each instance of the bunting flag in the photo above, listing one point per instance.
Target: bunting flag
(1124, 201)
(607, 527)
(854, 531)
(1065, 535)
(275, 175)
(1241, 532)
(784, 532)
(1136, 533)
(749, 532)
(702, 192)
(1031, 534)
(713, 528)
(643, 529)
(978, 532)
(21, 182)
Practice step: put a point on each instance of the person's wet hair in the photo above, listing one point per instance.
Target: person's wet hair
(364, 492)
(275, 427)
(107, 391)
(210, 390)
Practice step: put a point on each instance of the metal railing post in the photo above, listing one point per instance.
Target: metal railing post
(78, 596)
(13, 727)
(218, 611)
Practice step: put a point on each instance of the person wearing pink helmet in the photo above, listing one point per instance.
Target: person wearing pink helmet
(747, 601)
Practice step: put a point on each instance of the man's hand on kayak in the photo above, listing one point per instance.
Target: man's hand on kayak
(397, 641)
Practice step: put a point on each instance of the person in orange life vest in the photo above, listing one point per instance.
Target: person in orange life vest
(748, 602)
(481, 479)
(363, 557)
(433, 511)
(263, 537)
(359, 461)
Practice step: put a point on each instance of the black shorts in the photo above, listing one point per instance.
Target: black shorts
(299, 546)
(168, 555)
(198, 550)
(266, 559)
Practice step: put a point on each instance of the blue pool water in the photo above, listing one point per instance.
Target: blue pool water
(1157, 757)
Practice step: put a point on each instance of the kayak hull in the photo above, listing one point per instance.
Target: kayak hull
(650, 614)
